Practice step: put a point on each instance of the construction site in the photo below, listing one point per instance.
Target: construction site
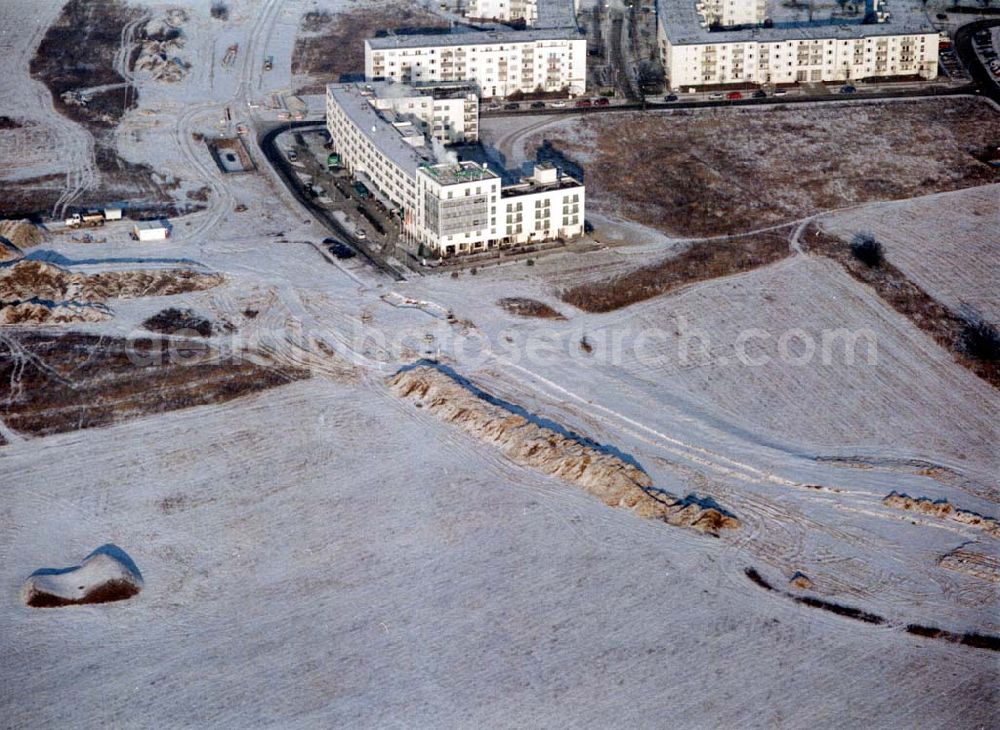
(715, 441)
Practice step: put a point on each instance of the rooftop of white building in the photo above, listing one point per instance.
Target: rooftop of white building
(458, 172)
(472, 38)
(682, 25)
(354, 100)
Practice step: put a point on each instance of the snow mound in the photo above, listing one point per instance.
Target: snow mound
(107, 574)
(540, 444)
(943, 509)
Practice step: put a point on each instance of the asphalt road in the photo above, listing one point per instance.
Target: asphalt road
(967, 55)
(268, 145)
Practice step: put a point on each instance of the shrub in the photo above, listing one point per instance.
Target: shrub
(866, 249)
(530, 262)
(220, 11)
(981, 339)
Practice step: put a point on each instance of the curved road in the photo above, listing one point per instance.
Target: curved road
(967, 55)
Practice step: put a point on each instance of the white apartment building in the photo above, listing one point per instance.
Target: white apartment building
(695, 56)
(448, 112)
(542, 207)
(448, 207)
(732, 12)
(498, 62)
(503, 10)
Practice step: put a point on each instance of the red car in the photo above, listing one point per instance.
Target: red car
(734, 95)
(584, 102)
(601, 102)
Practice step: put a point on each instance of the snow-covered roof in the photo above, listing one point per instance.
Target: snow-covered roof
(682, 24)
(474, 38)
(374, 125)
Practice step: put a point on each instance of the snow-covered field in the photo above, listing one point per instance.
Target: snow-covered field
(325, 553)
(943, 243)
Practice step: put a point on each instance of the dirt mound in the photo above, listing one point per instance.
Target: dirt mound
(615, 480)
(524, 307)
(23, 234)
(801, 581)
(9, 252)
(43, 313)
(172, 321)
(37, 292)
(107, 574)
(38, 280)
(943, 509)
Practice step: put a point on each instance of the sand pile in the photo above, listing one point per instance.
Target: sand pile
(15, 237)
(107, 574)
(58, 295)
(158, 50)
(39, 313)
(617, 482)
(944, 509)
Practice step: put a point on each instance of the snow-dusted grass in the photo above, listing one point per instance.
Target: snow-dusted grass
(945, 244)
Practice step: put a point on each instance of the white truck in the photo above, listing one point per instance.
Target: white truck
(85, 220)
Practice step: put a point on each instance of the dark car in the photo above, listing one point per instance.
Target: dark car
(512, 106)
(848, 89)
(941, 16)
(759, 94)
(670, 97)
(602, 102)
(584, 103)
(342, 250)
(538, 105)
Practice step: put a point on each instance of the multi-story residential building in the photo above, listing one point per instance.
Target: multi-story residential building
(728, 13)
(500, 63)
(446, 206)
(447, 111)
(503, 10)
(901, 44)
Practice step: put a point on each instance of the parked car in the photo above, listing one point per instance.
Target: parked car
(780, 92)
(670, 97)
(584, 103)
(538, 105)
(847, 89)
(759, 94)
(341, 250)
(716, 96)
(941, 16)
(603, 101)
(493, 106)
(559, 104)
(734, 95)
(512, 106)
(293, 155)
(360, 233)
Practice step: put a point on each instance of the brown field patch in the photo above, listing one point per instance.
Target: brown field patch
(525, 307)
(339, 48)
(51, 382)
(702, 261)
(712, 172)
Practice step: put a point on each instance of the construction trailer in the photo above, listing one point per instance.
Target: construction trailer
(112, 214)
(151, 231)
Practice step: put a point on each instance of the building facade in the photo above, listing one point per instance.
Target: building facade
(448, 112)
(446, 207)
(503, 10)
(694, 55)
(499, 63)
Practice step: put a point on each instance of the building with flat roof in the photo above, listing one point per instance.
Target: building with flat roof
(445, 206)
(498, 62)
(698, 49)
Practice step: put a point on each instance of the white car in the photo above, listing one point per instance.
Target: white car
(557, 104)
(717, 95)
(359, 233)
